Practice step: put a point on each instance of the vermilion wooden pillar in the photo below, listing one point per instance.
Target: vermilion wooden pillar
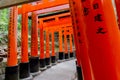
(65, 45)
(103, 38)
(24, 69)
(82, 56)
(48, 59)
(11, 72)
(53, 57)
(75, 32)
(71, 46)
(34, 59)
(61, 54)
(42, 55)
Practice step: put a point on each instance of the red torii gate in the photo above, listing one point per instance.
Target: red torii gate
(99, 42)
(24, 61)
(111, 69)
(24, 11)
(56, 23)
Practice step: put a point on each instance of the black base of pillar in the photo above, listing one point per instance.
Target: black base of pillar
(11, 73)
(79, 73)
(61, 55)
(42, 63)
(34, 64)
(47, 61)
(53, 59)
(76, 62)
(24, 70)
(71, 54)
(66, 56)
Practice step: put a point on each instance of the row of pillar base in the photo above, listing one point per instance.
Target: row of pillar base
(65, 56)
(23, 71)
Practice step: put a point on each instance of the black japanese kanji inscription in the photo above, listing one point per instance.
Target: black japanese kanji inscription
(100, 30)
(98, 17)
(85, 11)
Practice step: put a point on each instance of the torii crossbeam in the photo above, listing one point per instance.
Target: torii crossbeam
(8, 3)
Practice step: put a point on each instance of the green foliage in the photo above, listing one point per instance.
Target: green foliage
(4, 18)
(19, 23)
(4, 24)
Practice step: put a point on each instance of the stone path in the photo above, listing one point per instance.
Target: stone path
(62, 71)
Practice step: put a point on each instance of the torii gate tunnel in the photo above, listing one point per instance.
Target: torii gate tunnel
(89, 24)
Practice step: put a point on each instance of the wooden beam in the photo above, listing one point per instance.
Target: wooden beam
(57, 27)
(61, 19)
(56, 16)
(45, 4)
(57, 23)
(8, 3)
(52, 9)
